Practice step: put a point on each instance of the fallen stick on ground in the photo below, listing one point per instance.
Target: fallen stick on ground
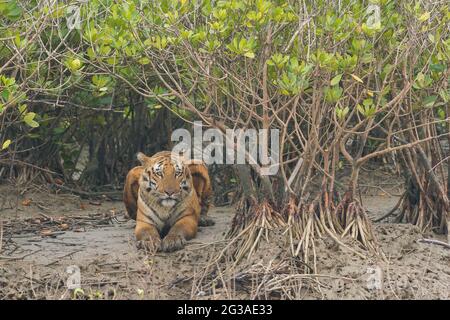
(432, 241)
(88, 194)
(63, 256)
(19, 257)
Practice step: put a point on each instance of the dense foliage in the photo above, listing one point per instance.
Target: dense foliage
(345, 82)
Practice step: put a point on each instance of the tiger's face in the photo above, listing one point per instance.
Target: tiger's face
(165, 178)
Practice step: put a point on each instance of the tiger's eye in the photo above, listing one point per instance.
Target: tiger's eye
(159, 173)
(184, 185)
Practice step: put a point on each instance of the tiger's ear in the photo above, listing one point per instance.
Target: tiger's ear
(143, 159)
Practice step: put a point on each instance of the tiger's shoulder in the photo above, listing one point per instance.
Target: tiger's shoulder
(131, 191)
(202, 183)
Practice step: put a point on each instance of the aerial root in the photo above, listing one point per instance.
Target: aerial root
(259, 220)
(303, 228)
(303, 224)
(345, 219)
(355, 223)
(427, 211)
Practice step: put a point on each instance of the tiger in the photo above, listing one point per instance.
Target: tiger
(168, 196)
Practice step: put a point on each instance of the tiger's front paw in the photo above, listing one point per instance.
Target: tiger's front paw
(172, 243)
(150, 244)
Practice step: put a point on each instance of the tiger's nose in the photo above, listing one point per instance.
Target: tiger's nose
(170, 192)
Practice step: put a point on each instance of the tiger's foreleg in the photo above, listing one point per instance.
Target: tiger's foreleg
(146, 233)
(184, 229)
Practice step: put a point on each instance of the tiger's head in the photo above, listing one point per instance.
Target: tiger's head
(165, 178)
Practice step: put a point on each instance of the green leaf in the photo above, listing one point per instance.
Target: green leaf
(428, 102)
(249, 54)
(342, 113)
(59, 130)
(336, 80)
(74, 64)
(445, 95)
(29, 120)
(22, 108)
(437, 67)
(368, 102)
(360, 108)
(441, 114)
(333, 94)
(424, 16)
(6, 144)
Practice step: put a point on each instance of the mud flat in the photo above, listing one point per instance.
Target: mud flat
(45, 236)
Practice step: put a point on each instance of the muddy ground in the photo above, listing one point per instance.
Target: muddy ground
(45, 236)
